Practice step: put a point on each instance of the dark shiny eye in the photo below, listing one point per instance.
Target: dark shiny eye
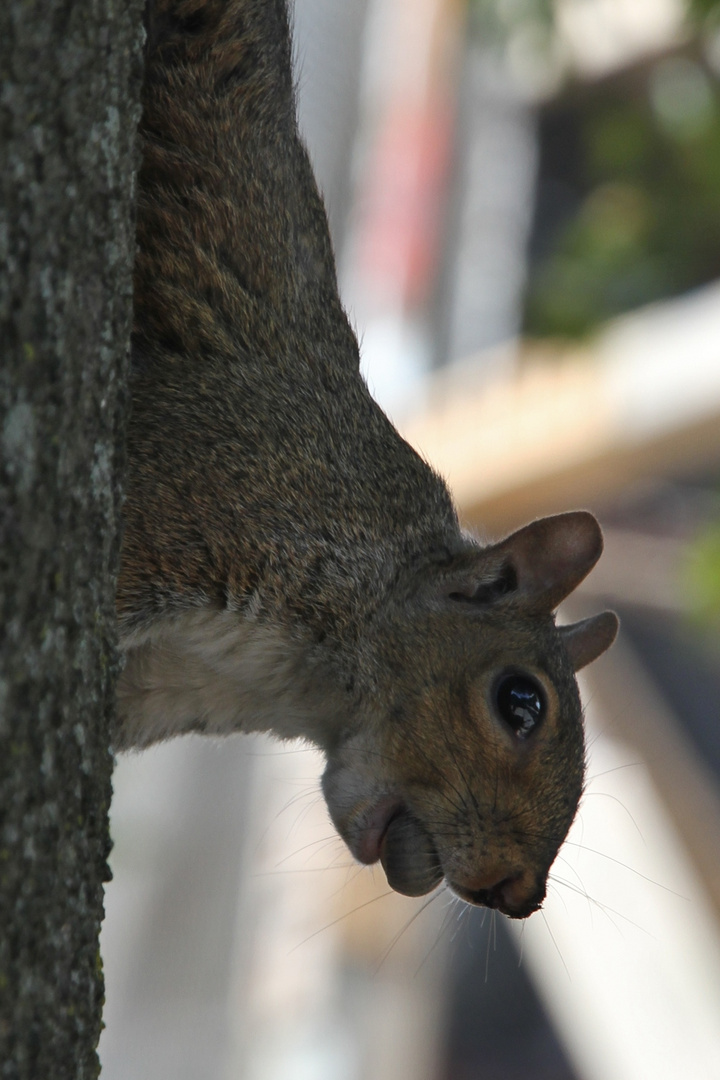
(521, 704)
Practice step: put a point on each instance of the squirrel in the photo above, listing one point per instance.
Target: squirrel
(289, 563)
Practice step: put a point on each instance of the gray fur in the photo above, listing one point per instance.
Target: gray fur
(289, 562)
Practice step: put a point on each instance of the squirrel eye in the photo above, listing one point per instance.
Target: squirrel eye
(521, 704)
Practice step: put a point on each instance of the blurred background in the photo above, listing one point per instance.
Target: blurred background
(524, 197)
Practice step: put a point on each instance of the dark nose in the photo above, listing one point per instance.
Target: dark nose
(516, 895)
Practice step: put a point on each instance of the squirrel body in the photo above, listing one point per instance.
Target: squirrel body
(289, 563)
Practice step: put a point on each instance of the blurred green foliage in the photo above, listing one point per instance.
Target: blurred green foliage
(699, 10)
(647, 220)
(648, 225)
(499, 17)
(703, 576)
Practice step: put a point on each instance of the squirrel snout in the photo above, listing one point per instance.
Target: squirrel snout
(516, 895)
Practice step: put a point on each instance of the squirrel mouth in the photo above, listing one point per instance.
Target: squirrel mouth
(373, 828)
(391, 834)
(409, 856)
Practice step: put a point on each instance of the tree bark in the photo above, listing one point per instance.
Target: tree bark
(69, 106)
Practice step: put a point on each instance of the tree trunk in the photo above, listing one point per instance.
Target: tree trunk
(69, 107)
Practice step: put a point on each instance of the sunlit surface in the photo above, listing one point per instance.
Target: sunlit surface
(646, 377)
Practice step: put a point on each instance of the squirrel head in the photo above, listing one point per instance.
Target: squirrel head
(467, 762)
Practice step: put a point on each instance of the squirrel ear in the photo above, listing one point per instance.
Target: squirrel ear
(587, 640)
(551, 556)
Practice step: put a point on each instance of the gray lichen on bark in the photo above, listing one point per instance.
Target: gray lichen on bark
(69, 107)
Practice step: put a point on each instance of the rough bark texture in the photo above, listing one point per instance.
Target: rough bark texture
(71, 74)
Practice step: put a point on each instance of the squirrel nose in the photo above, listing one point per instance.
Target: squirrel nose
(516, 895)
